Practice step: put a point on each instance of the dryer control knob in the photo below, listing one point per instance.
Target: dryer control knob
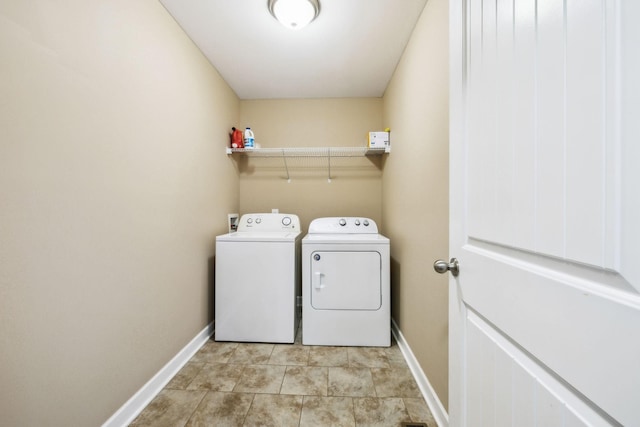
(286, 221)
(366, 223)
(342, 222)
(249, 220)
(258, 220)
(357, 222)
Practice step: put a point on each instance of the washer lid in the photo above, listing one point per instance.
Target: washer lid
(257, 236)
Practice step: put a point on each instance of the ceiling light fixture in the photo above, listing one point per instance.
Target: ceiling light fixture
(294, 14)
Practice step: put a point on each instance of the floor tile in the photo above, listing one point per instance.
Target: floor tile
(261, 379)
(215, 352)
(216, 377)
(327, 411)
(395, 382)
(251, 354)
(182, 379)
(274, 410)
(289, 355)
(394, 356)
(219, 409)
(328, 356)
(419, 411)
(257, 384)
(355, 382)
(169, 408)
(375, 412)
(367, 357)
(305, 380)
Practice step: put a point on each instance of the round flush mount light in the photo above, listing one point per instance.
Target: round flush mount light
(294, 14)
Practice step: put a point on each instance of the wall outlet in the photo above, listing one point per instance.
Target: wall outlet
(232, 219)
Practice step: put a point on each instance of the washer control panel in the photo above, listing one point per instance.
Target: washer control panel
(269, 222)
(343, 225)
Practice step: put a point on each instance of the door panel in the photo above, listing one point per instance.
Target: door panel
(563, 317)
(548, 119)
(513, 389)
(540, 220)
(568, 152)
(585, 175)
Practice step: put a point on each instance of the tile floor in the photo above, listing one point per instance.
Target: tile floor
(241, 384)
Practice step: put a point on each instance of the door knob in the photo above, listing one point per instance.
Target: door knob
(441, 266)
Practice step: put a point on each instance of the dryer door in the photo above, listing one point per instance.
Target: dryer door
(346, 280)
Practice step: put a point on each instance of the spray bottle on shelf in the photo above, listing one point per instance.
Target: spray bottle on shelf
(249, 140)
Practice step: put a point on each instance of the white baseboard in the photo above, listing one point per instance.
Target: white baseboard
(429, 394)
(130, 410)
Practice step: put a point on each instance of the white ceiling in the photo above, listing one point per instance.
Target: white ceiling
(350, 50)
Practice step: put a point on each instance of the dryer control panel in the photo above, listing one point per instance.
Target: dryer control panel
(343, 225)
(269, 222)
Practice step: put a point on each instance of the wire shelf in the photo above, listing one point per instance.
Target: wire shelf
(306, 154)
(310, 151)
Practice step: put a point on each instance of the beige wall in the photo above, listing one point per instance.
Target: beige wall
(355, 187)
(113, 184)
(415, 191)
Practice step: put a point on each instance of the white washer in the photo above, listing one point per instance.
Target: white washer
(258, 279)
(345, 284)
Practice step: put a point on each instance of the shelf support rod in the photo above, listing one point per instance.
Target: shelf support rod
(286, 168)
(329, 164)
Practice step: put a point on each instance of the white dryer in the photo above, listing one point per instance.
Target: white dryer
(258, 279)
(345, 284)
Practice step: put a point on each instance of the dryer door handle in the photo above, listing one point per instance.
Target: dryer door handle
(317, 280)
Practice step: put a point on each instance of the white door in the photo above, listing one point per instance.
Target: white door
(545, 213)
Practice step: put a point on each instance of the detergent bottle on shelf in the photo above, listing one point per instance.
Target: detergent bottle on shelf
(249, 140)
(236, 138)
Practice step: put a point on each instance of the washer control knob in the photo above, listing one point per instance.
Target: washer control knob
(342, 222)
(258, 220)
(316, 257)
(366, 223)
(286, 221)
(357, 222)
(249, 220)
